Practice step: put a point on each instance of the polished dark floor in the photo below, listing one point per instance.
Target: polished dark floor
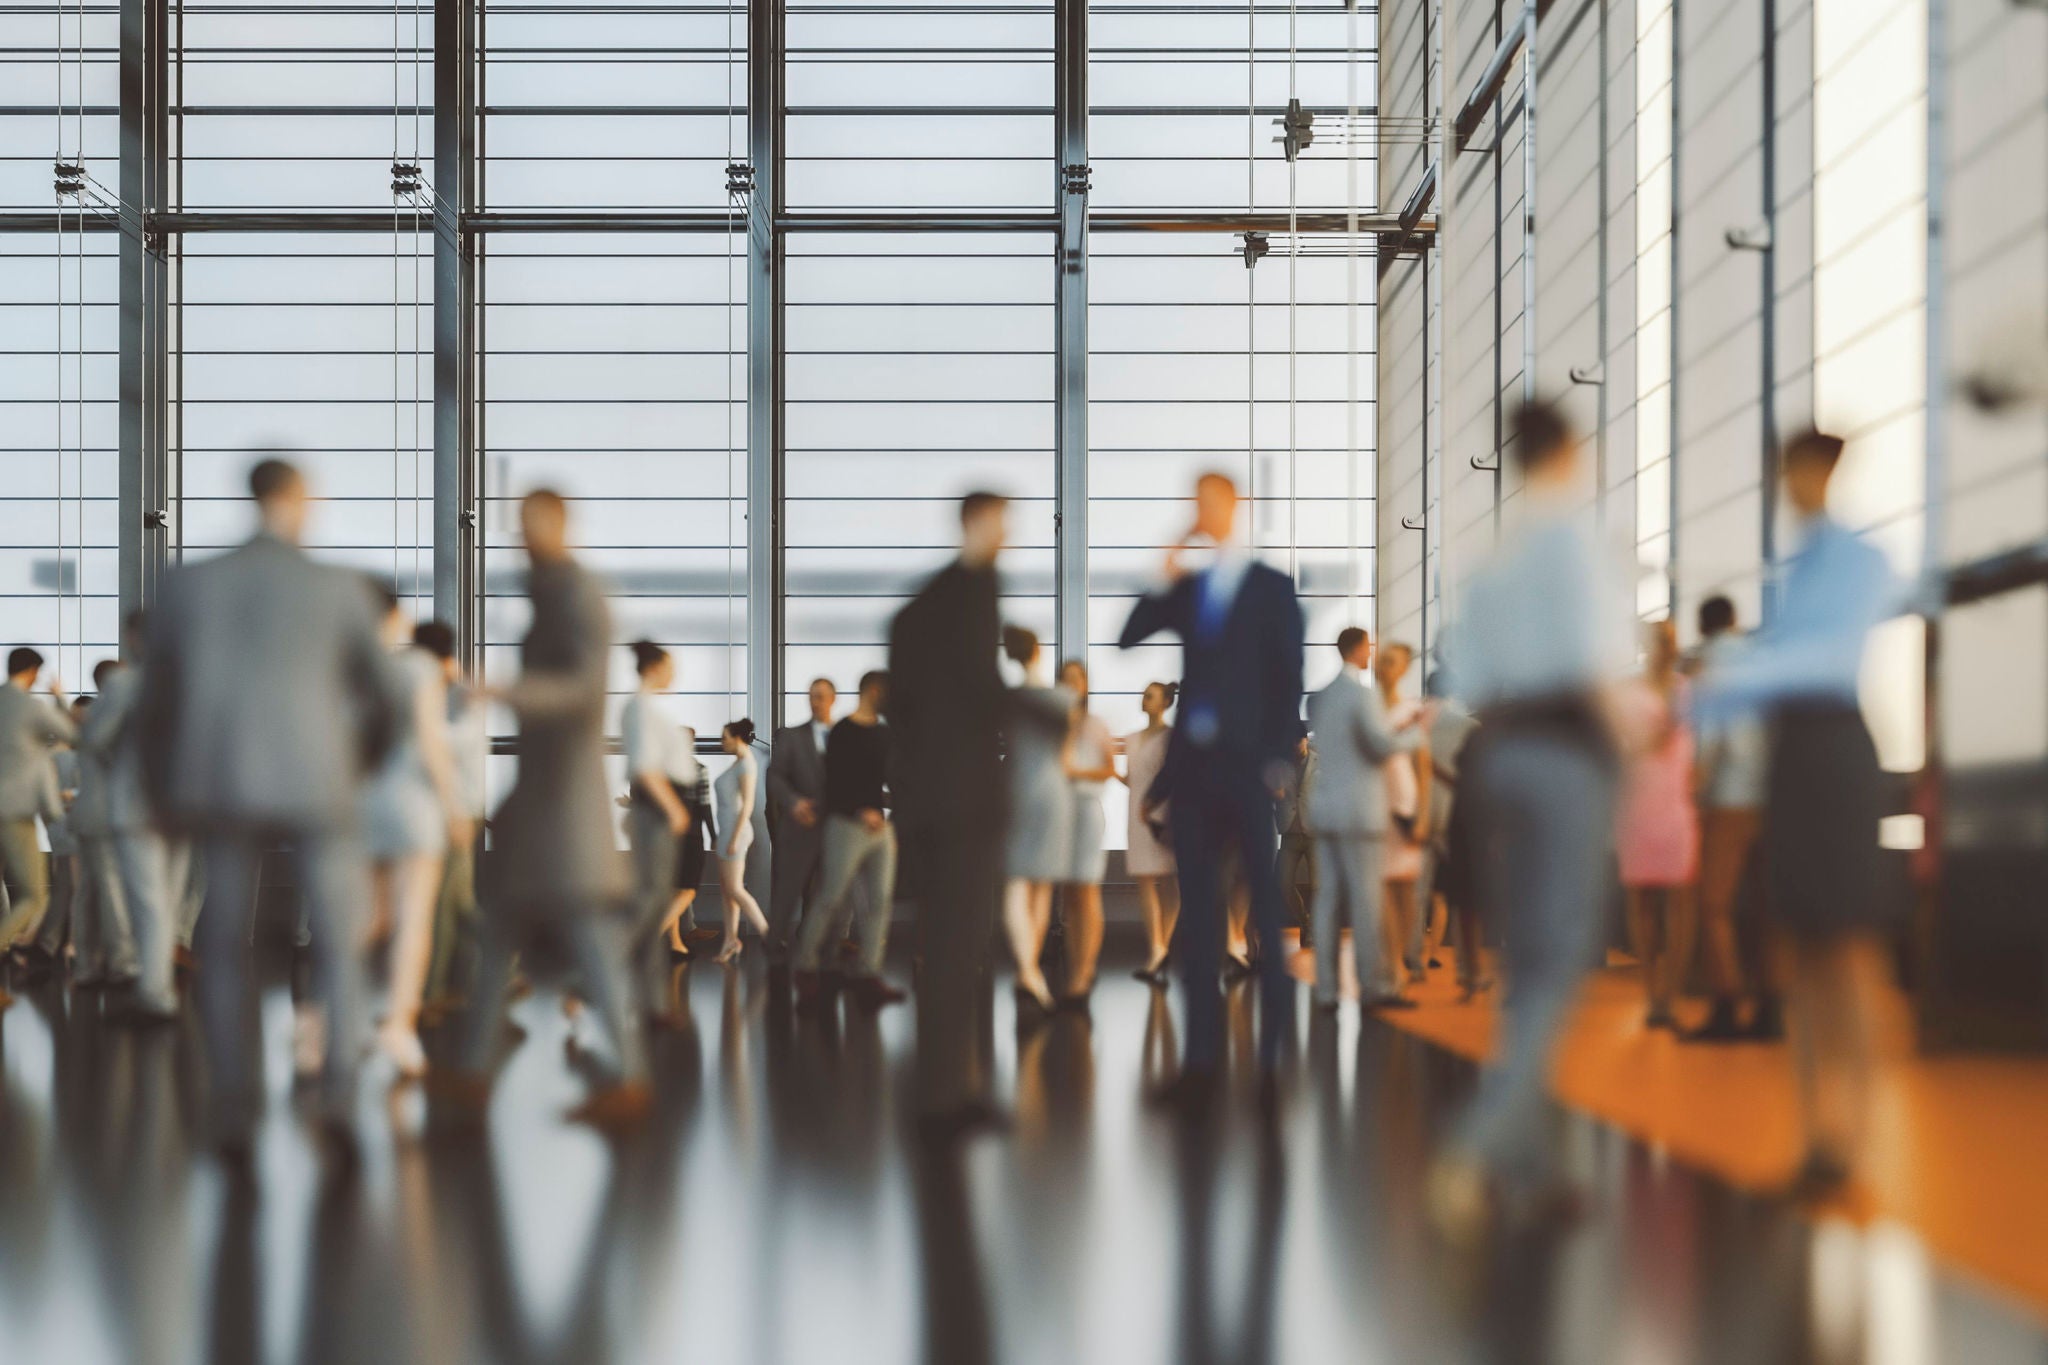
(782, 1207)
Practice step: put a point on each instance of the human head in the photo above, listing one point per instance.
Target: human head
(282, 498)
(1354, 646)
(984, 526)
(1074, 675)
(1216, 506)
(1717, 616)
(656, 667)
(1159, 698)
(823, 697)
(1542, 444)
(1809, 463)
(102, 671)
(1020, 646)
(1391, 664)
(736, 736)
(79, 706)
(544, 525)
(874, 688)
(23, 664)
(437, 640)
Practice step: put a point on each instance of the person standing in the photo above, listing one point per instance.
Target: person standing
(30, 728)
(1241, 632)
(860, 845)
(796, 814)
(1148, 857)
(412, 818)
(469, 747)
(1729, 768)
(1448, 888)
(1089, 762)
(62, 789)
(1297, 863)
(1824, 798)
(555, 871)
(1347, 813)
(945, 713)
(1657, 832)
(661, 760)
(1041, 813)
(1536, 648)
(268, 702)
(102, 940)
(1407, 776)
(736, 793)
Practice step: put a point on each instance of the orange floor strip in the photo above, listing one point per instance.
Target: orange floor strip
(1959, 1152)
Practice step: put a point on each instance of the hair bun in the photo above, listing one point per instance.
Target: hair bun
(646, 654)
(742, 730)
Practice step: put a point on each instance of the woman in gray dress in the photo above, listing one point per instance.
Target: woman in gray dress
(1040, 851)
(1147, 857)
(1088, 762)
(736, 794)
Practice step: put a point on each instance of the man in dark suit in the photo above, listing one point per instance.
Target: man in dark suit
(796, 816)
(945, 710)
(1230, 757)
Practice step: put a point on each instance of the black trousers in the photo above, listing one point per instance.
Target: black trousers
(1218, 807)
(958, 872)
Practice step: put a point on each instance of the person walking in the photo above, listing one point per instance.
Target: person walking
(268, 701)
(60, 790)
(796, 815)
(1241, 631)
(30, 728)
(736, 793)
(860, 845)
(103, 943)
(1347, 812)
(1148, 856)
(945, 712)
(661, 819)
(1656, 830)
(1089, 762)
(1042, 823)
(1296, 868)
(453, 965)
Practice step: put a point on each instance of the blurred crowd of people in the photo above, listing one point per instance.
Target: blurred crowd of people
(1566, 757)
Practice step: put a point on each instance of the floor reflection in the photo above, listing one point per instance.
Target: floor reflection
(781, 1206)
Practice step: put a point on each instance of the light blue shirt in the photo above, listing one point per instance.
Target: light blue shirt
(1832, 592)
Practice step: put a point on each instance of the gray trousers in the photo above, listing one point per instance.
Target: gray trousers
(656, 858)
(1544, 810)
(334, 889)
(154, 872)
(852, 852)
(1348, 879)
(100, 929)
(595, 939)
(799, 857)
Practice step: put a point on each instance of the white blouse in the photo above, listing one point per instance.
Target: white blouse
(655, 743)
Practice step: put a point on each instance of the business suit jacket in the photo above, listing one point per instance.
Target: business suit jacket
(946, 700)
(796, 772)
(1246, 674)
(110, 740)
(552, 840)
(29, 727)
(1353, 743)
(269, 697)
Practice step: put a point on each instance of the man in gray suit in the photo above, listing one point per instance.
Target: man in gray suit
(268, 702)
(152, 869)
(796, 816)
(29, 728)
(1346, 811)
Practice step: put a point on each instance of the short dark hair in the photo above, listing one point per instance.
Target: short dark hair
(979, 501)
(272, 476)
(1349, 639)
(436, 638)
(821, 678)
(101, 671)
(1812, 444)
(79, 704)
(1019, 644)
(22, 659)
(1537, 434)
(1717, 614)
(874, 677)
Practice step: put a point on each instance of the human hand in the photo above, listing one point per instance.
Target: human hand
(679, 821)
(1173, 566)
(805, 812)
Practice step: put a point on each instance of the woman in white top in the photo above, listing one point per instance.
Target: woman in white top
(736, 794)
(662, 758)
(411, 815)
(1148, 858)
(1089, 761)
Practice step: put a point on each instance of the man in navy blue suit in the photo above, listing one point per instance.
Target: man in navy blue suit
(1231, 756)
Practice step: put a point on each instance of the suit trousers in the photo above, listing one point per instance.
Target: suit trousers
(1544, 811)
(959, 898)
(657, 855)
(56, 925)
(333, 889)
(454, 956)
(1297, 865)
(154, 871)
(595, 938)
(27, 870)
(101, 933)
(1349, 882)
(852, 852)
(799, 857)
(1213, 810)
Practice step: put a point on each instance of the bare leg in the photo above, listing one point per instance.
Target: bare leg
(1829, 1029)
(1155, 922)
(1238, 943)
(1082, 916)
(672, 919)
(732, 874)
(1020, 925)
(412, 881)
(1397, 919)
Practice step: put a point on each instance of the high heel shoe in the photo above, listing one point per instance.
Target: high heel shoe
(729, 953)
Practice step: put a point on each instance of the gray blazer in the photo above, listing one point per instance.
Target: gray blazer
(29, 727)
(796, 772)
(111, 741)
(269, 697)
(1352, 742)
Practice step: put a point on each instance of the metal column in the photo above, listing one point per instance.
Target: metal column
(1070, 323)
(143, 455)
(456, 519)
(764, 364)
